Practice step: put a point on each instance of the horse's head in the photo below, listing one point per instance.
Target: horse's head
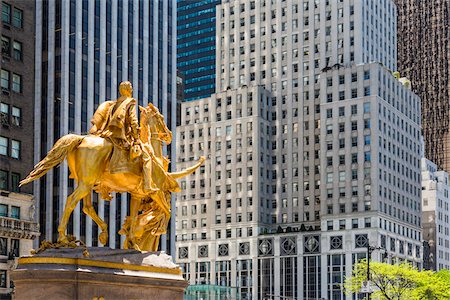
(153, 125)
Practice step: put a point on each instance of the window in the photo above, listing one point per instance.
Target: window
(15, 212)
(17, 50)
(354, 109)
(15, 247)
(17, 83)
(17, 18)
(3, 210)
(329, 113)
(3, 278)
(15, 149)
(366, 107)
(6, 46)
(4, 80)
(16, 116)
(3, 146)
(15, 179)
(6, 14)
(3, 246)
(4, 113)
(3, 181)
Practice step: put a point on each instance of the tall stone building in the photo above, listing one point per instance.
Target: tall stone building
(17, 93)
(436, 212)
(84, 49)
(424, 57)
(313, 151)
(18, 229)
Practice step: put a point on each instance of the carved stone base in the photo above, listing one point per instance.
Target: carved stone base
(106, 273)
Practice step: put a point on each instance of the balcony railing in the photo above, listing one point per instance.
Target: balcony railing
(19, 228)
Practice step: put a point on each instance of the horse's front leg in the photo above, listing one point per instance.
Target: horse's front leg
(79, 193)
(88, 209)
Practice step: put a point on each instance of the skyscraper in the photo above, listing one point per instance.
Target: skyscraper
(196, 29)
(313, 147)
(424, 57)
(84, 49)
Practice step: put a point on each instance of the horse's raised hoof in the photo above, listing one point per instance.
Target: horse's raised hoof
(103, 238)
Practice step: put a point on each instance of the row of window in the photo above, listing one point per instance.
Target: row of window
(294, 8)
(12, 15)
(10, 115)
(11, 48)
(14, 212)
(10, 81)
(9, 181)
(10, 147)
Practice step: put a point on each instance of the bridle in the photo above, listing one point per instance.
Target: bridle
(156, 115)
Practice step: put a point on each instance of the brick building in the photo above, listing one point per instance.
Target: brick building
(16, 97)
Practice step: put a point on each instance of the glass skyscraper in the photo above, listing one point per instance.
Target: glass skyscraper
(196, 48)
(84, 49)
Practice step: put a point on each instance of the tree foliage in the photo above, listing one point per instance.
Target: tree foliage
(400, 281)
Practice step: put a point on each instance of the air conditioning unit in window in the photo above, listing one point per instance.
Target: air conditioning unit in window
(5, 91)
(4, 120)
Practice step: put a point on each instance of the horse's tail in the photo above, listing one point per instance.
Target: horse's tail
(54, 157)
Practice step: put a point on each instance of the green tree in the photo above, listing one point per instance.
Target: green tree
(400, 281)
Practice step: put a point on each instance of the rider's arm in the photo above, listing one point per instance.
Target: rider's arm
(133, 121)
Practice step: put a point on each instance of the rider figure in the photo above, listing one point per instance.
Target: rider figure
(117, 121)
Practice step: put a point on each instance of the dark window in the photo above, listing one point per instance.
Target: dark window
(3, 180)
(17, 18)
(15, 244)
(6, 46)
(15, 179)
(3, 246)
(15, 212)
(6, 13)
(3, 278)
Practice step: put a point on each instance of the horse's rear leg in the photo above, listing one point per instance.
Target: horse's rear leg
(90, 211)
(79, 193)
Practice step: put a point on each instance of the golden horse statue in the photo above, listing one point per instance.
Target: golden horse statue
(88, 158)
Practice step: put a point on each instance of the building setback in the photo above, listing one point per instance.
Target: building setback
(196, 48)
(84, 49)
(435, 215)
(313, 151)
(424, 57)
(17, 94)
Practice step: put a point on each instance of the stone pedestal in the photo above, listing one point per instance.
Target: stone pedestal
(106, 273)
